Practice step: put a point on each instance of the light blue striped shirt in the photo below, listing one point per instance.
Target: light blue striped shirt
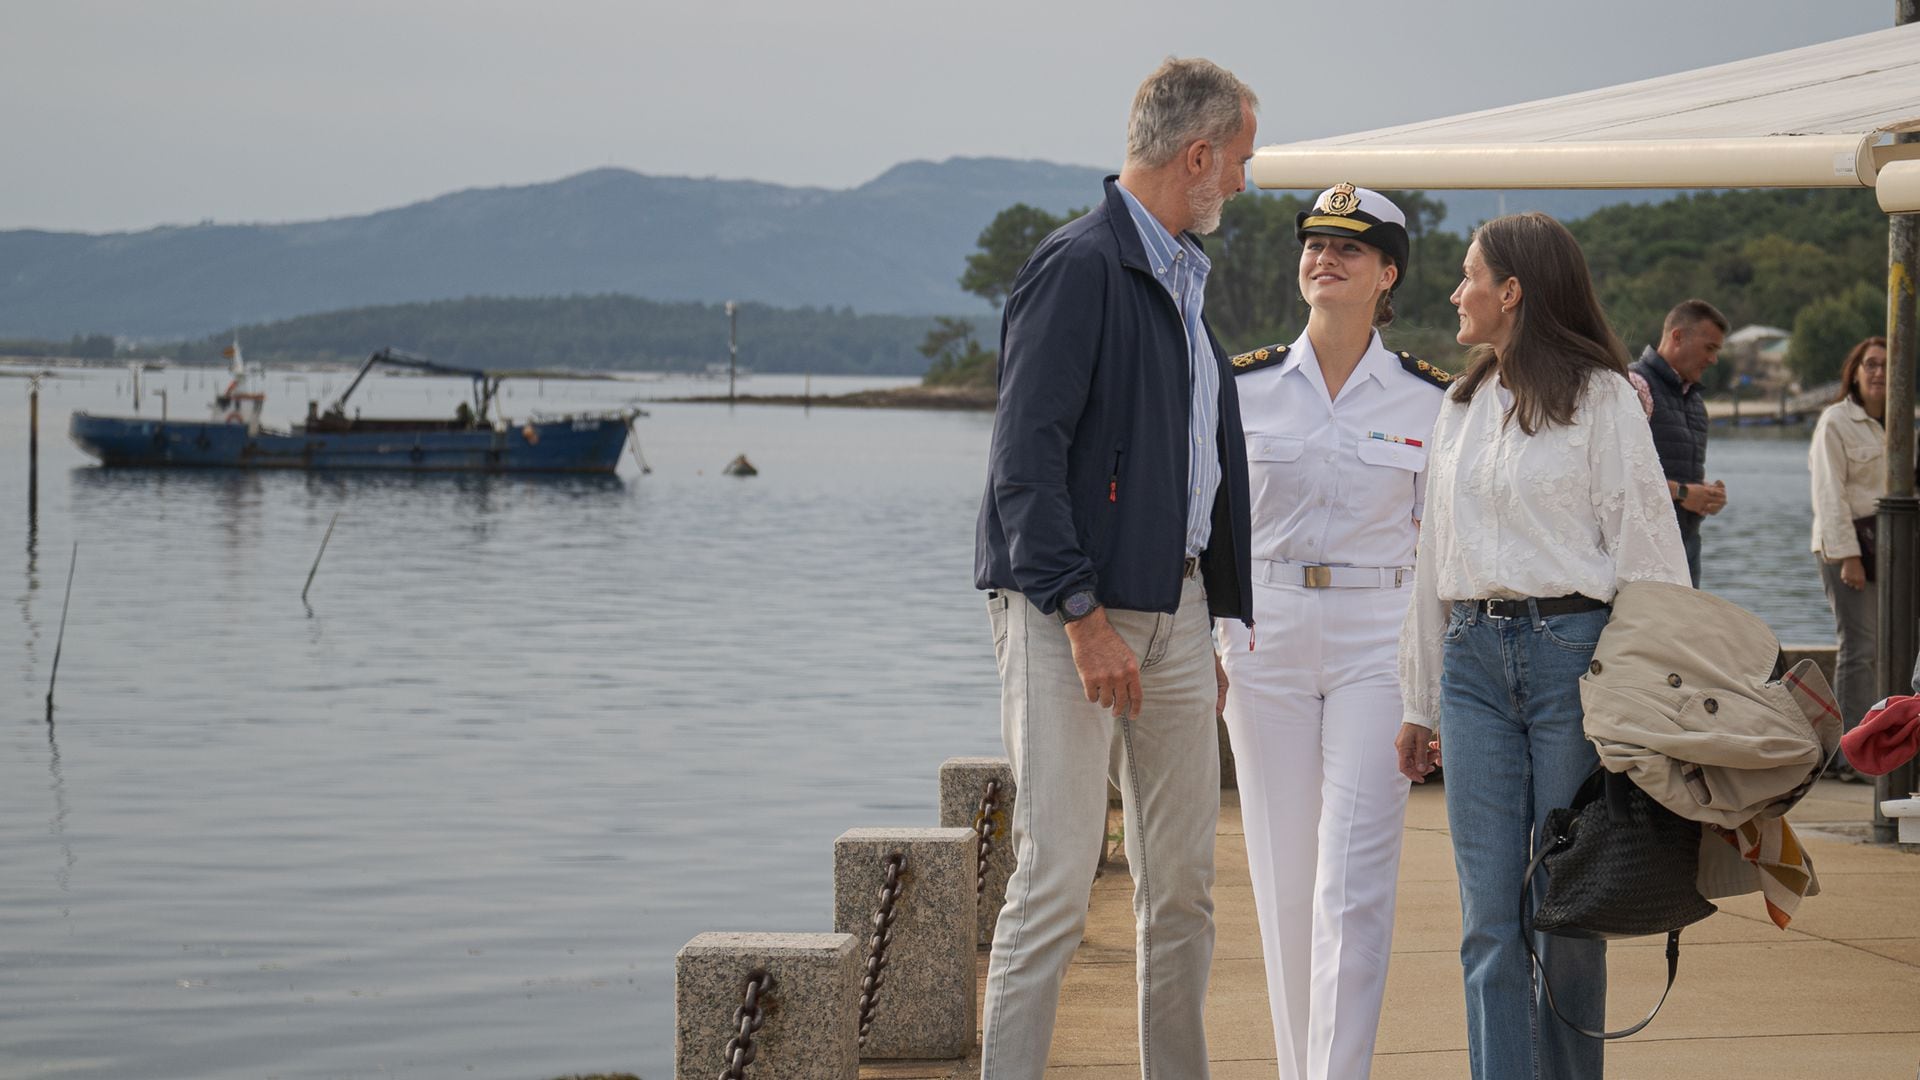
(1181, 266)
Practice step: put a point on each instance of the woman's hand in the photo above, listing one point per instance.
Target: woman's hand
(1419, 750)
(1853, 573)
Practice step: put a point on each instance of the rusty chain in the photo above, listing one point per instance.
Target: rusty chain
(983, 831)
(881, 937)
(741, 1049)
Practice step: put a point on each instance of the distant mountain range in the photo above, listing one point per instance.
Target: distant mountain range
(894, 245)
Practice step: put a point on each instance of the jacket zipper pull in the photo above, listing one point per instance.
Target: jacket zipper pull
(1113, 489)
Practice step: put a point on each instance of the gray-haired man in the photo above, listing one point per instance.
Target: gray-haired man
(1113, 531)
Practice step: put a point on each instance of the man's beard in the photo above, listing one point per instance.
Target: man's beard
(1205, 200)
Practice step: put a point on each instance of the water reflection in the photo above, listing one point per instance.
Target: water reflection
(31, 632)
(223, 502)
(57, 825)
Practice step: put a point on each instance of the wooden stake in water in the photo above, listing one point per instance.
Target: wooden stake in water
(33, 447)
(733, 350)
(316, 558)
(61, 639)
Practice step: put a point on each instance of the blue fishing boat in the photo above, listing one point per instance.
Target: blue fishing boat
(473, 440)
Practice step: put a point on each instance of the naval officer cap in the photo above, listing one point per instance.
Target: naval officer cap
(1367, 216)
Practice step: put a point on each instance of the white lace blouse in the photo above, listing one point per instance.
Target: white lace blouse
(1578, 508)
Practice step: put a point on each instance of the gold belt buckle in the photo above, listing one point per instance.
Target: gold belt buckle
(1317, 577)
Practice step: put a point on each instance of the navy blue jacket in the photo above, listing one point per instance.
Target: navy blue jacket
(1679, 424)
(1087, 477)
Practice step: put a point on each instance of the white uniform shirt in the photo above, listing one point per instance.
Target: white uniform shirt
(1575, 508)
(1337, 482)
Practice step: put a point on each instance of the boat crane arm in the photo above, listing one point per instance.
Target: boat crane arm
(396, 358)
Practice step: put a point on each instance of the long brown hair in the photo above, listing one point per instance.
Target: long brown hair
(1855, 357)
(1560, 336)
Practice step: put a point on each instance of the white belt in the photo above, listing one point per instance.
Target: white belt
(1312, 576)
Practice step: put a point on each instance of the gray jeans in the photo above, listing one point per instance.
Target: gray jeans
(1856, 617)
(1060, 745)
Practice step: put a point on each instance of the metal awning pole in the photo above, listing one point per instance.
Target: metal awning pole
(1899, 516)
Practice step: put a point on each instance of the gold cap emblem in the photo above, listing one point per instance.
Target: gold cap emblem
(1340, 199)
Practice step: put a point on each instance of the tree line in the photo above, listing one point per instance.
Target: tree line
(603, 332)
(78, 347)
(1811, 262)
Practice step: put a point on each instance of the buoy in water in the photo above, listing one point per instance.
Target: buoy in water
(740, 466)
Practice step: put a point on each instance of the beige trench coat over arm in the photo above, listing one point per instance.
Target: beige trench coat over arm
(1683, 697)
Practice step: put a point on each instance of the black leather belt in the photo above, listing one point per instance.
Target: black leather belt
(1524, 607)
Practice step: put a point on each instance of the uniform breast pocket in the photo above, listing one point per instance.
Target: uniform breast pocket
(1393, 455)
(1275, 447)
(1272, 473)
(1386, 478)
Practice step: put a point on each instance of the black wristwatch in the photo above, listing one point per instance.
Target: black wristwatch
(1077, 605)
(1680, 493)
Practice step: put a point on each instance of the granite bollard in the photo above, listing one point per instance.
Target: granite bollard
(924, 1005)
(963, 780)
(810, 1030)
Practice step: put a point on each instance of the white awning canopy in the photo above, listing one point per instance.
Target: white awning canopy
(1819, 116)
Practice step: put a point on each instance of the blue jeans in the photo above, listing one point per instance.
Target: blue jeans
(1512, 737)
(1690, 543)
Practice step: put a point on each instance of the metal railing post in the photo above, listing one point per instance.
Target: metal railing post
(1899, 514)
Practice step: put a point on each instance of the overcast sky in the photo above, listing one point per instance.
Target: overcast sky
(124, 114)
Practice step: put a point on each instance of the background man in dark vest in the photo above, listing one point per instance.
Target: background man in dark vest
(1690, 342)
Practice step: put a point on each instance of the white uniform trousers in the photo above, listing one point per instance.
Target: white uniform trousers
(1312, 714)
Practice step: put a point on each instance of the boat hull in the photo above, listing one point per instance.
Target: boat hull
(583, 445)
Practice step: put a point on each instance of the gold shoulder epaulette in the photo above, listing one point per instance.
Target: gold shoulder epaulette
(1259, 358)
(1421, 369)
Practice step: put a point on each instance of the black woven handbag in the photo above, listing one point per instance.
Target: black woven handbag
(1619, 864)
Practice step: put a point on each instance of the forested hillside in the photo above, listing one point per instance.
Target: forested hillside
(587, 332)
(886, 246)
(1809, 261)
(882, 247)
(1813, 262)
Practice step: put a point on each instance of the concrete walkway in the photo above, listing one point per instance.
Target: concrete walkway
(1836, 995)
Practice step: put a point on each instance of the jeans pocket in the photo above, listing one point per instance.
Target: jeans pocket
(1578, 632)
(1458, 617)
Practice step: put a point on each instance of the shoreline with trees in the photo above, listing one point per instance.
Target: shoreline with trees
(1807, 260)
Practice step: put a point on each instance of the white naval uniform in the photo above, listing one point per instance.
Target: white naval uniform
(1314, 707)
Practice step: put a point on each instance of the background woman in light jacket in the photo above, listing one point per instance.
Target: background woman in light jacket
(1848, 463)
(1544, 493)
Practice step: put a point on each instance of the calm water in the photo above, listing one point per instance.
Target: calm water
(532, 736)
